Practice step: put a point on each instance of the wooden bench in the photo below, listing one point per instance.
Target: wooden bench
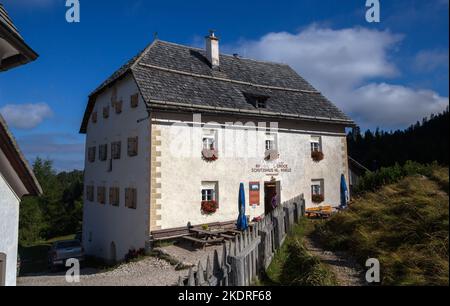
(203, 242)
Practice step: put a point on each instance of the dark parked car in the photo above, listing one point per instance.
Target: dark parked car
(61, 251)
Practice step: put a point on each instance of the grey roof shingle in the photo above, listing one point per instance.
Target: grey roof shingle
(170, 73)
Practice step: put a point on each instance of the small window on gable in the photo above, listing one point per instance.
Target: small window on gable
(271, 141)
(106, 112)
(258, 101)
(131, 198)
(91, 154)
(94, 117)
(90, 193)
(114, 196)
(116, 148)
(101, 195)
(133, 146)
(103, 152)
(118, 106)
(134, 101)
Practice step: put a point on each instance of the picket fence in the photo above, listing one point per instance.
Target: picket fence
(251, 252)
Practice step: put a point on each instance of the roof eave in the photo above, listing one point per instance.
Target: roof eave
(26, 53)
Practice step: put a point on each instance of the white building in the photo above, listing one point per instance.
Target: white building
(16, 177)
(173, 133)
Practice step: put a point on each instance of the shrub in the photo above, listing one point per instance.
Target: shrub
(133, 254)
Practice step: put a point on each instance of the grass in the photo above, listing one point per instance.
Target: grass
(405, 225)
(293, 265)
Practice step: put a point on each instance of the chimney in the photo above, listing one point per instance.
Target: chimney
(212, 49)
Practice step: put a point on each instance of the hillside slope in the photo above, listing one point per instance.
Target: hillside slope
(404, 225)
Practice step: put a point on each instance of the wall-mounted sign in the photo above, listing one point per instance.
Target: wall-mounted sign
(254, 191)
(272, 170)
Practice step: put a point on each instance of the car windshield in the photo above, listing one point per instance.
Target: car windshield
(67, 244)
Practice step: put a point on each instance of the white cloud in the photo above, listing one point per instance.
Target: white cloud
(343, 64)
(26, 116)
(391, 106)
(429, 60)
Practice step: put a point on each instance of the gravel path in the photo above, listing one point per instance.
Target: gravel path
(347, 271)
(150, 271)
(147, 272)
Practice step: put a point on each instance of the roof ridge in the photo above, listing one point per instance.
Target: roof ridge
(225, 54)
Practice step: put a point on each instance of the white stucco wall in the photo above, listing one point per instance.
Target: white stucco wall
(181, 176)
(104, 224)
(9, 229)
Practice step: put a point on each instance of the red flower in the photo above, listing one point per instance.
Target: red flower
(317, 156)
(210, 155)
(318, 198)
(209, 207)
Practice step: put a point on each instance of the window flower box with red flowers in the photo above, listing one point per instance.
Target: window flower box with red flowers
(209, 207)
(317, 156)
(271, 155)
(318, 198)
(210, 155)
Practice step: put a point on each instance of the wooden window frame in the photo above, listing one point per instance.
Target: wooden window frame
(131, 198)
(118, 107)
(90, 191)
(132, 152)
(106, 110)
(103, 149)
(116, 150)
(92, 152)
(101, 195)
(134, 101)
(114, 196)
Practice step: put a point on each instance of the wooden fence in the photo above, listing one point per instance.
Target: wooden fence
(251, 252)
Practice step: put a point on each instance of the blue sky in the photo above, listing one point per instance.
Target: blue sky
(385, 75)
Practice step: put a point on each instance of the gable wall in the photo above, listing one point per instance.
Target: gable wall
(104, 224)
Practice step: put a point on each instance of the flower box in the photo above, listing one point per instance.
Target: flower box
(317, 156)
(209, 207)
(210, 155)
(318, 198)
(271, 155)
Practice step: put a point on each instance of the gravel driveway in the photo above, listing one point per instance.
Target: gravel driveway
(150, 271)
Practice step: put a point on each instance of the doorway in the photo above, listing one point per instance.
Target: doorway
(271, 190)
(112, 253)
(2, 269)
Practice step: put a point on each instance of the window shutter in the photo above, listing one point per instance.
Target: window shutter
(106, 112)
(94, 117)
(118, 107)
(134, 101)
(132, 146)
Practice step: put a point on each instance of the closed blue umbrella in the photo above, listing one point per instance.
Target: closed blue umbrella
(344, 192)
(242, 219)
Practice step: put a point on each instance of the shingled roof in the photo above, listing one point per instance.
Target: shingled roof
(13, 49)
(175, 77)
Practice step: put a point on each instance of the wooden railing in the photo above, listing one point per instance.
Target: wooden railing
(250, 253)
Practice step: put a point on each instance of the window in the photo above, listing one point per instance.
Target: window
(134, 101)
(106, 112)
(132, 146)
(90, 193)
(118, 107)
(209, 191)
(116, 150)
(103, 152)
(91, 154)
(94, 117)
(317, 191)
(131, 198)
(114, 196)
(257, 101)
(270, 145)
(208, 195)
(101, 195)
(209, 143)
(316, 144)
